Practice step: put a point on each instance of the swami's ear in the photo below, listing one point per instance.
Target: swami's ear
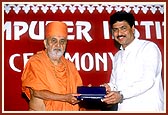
(45, 43)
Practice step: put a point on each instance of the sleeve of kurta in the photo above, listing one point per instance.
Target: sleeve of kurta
(33, 77)
(112, 82)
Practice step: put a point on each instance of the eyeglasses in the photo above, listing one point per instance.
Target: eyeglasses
(62, 41)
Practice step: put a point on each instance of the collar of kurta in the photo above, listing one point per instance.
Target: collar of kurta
(130, 46)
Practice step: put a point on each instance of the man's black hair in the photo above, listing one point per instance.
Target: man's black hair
(122, 16)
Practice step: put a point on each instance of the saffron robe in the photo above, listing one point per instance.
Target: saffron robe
(41, 74)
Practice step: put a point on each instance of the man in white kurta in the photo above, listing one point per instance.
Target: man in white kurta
(136, 81)
(137, 74)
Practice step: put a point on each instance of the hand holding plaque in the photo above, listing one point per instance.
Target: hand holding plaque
(91, 93)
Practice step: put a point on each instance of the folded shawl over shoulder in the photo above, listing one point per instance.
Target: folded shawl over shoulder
(41, 74)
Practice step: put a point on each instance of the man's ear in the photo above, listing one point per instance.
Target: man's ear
(45, 43)
(133, 29)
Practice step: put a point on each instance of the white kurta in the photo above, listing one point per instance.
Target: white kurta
(137, 74)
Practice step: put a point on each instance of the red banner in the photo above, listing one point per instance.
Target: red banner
(90, 45)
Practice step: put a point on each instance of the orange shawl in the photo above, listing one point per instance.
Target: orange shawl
(41, 74)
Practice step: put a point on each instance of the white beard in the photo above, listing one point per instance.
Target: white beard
(55, 53)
